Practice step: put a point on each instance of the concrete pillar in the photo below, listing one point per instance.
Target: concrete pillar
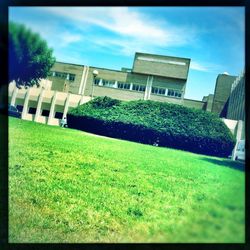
(66, 107)
(238, 137)
(84, 99)
(131, 86)
(25, 105)
(14, 94)
(148, 87)
(85, 80)
(52, 109)
(80, 92)
(39, 105)
(146, 90)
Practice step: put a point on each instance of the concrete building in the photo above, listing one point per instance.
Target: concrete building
(43, 105)
(236, 105)
(152, 77)
(221, 94)
(229, 104)
(236, 102)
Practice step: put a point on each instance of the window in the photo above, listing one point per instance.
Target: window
(171, 92)
(72, 77)
(32, 111)
(97, 81)
(174, 93)
(63, 75)
(20, 108)
(137, 87)
(60, 74)
(158, 91)
(58, 115)
(123, 85)
(45, 112)
(108, 83)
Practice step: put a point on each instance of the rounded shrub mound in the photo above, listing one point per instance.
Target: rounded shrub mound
(151, 122)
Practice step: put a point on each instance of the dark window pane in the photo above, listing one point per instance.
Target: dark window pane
(58, 115)
(45, 112)
(20, 108)
(97, 80)
(71, 77)
(32, 111)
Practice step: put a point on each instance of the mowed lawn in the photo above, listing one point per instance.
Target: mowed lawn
(70, 186)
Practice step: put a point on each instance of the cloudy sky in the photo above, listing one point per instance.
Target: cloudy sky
(212, 37)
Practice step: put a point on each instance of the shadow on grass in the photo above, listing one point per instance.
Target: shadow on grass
(227, 163)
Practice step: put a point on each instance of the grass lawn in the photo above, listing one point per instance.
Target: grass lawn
(70, 186)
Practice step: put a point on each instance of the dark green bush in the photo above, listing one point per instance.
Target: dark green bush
(151, 122)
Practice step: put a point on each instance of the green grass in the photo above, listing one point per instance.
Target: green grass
(70, 186)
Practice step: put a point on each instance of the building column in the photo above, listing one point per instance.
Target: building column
(83, 99)
(52, 108)
(25, 105)
(85, 77)
(82, 80)
(66, 107)
(14, 94)
(131, 86)
(239, 130)
(148, 88)
(39, 105)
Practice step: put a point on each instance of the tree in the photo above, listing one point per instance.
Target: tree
(30, 59)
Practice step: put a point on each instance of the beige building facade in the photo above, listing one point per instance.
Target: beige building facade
(44, 105)
(152, 77)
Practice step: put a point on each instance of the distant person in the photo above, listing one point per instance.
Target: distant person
(64, 122)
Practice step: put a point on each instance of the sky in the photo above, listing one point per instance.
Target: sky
(108, 37)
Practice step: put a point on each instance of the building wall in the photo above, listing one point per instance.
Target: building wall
(193, 104)
(208, 102)
(170, 73)
(222, 93)
(236, 105)
(62, 84)
(34, 101)
(171, 83)
(106, 74)
(173, 67)
(165, 99)
(121, 94)
(127, 77)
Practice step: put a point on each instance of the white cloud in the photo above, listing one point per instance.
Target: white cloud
(206, 67)
(135, 30)
(68, 38)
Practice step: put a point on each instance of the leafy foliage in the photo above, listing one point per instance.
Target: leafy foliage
(152, 122)
(30, 59)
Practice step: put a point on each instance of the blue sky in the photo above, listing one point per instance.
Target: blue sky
(212, 37)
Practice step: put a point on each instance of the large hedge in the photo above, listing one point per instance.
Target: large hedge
(151, 122)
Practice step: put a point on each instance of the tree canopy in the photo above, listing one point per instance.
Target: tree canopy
(30, 59)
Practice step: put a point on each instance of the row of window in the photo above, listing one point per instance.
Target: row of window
(63, 75)
(119, 85)
(45, 112)
(137, 87)
(166, 92)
